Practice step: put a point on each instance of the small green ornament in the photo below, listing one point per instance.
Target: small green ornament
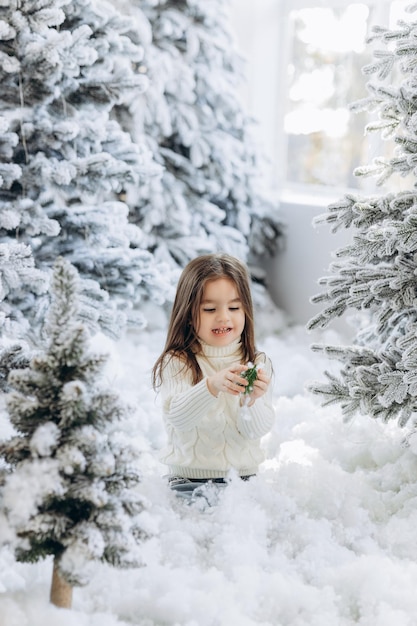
(251, 374)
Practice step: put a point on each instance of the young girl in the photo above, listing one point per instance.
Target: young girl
(209, 344)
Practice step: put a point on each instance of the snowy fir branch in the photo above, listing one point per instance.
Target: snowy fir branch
(251, 374)
(17, 275)
(12, 358)
(369, 383)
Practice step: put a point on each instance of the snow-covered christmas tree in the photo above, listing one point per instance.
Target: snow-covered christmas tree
(71, 491)
(64, 160)
(376, 273)
(211, 195)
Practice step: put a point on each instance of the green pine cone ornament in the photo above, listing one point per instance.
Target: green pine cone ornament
(251, 375)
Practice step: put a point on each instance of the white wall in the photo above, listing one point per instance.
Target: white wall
(257, 29)
(294, 273)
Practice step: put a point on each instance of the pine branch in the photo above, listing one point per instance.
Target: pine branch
(251, 374)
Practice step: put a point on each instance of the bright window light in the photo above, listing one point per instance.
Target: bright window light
(327, 50)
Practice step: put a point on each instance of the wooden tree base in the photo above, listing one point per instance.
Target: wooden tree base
(61, 591)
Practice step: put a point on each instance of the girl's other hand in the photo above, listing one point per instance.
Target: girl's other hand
(228, 380)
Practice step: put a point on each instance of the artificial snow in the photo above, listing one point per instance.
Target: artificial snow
(323, 536)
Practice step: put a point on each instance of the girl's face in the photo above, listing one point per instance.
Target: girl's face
(221, 315)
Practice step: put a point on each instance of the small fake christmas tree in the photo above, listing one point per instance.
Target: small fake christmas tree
(71, 490)
(376, 273)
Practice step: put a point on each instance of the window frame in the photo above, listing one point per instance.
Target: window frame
(265, 34)
(381, 16)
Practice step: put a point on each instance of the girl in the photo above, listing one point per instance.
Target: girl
(210, 340)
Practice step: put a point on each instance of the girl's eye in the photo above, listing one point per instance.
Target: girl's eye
(234, 308)
(208, 310)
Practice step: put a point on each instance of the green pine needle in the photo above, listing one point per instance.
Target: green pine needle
(251, 375)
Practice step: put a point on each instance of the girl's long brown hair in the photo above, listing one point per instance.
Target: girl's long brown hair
(182, 340)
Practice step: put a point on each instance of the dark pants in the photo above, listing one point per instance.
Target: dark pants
(176, 481)
(206, 491)
(217, 480)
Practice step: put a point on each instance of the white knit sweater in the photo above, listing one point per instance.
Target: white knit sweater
(209, 436)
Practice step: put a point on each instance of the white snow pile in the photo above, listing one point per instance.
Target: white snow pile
(325, 535)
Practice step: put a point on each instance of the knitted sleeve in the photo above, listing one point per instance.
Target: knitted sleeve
(260, 417)
(184, 404)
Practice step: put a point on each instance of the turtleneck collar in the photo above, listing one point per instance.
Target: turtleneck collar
(221, 351)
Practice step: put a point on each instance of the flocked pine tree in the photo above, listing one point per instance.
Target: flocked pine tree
(71, 492)
(64, 66)
(376, 273)
(212, 193)
(17, 274)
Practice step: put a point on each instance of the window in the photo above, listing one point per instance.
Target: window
(321, 75)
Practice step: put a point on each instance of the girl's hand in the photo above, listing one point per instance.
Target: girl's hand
(228, 380)
(260, 385)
